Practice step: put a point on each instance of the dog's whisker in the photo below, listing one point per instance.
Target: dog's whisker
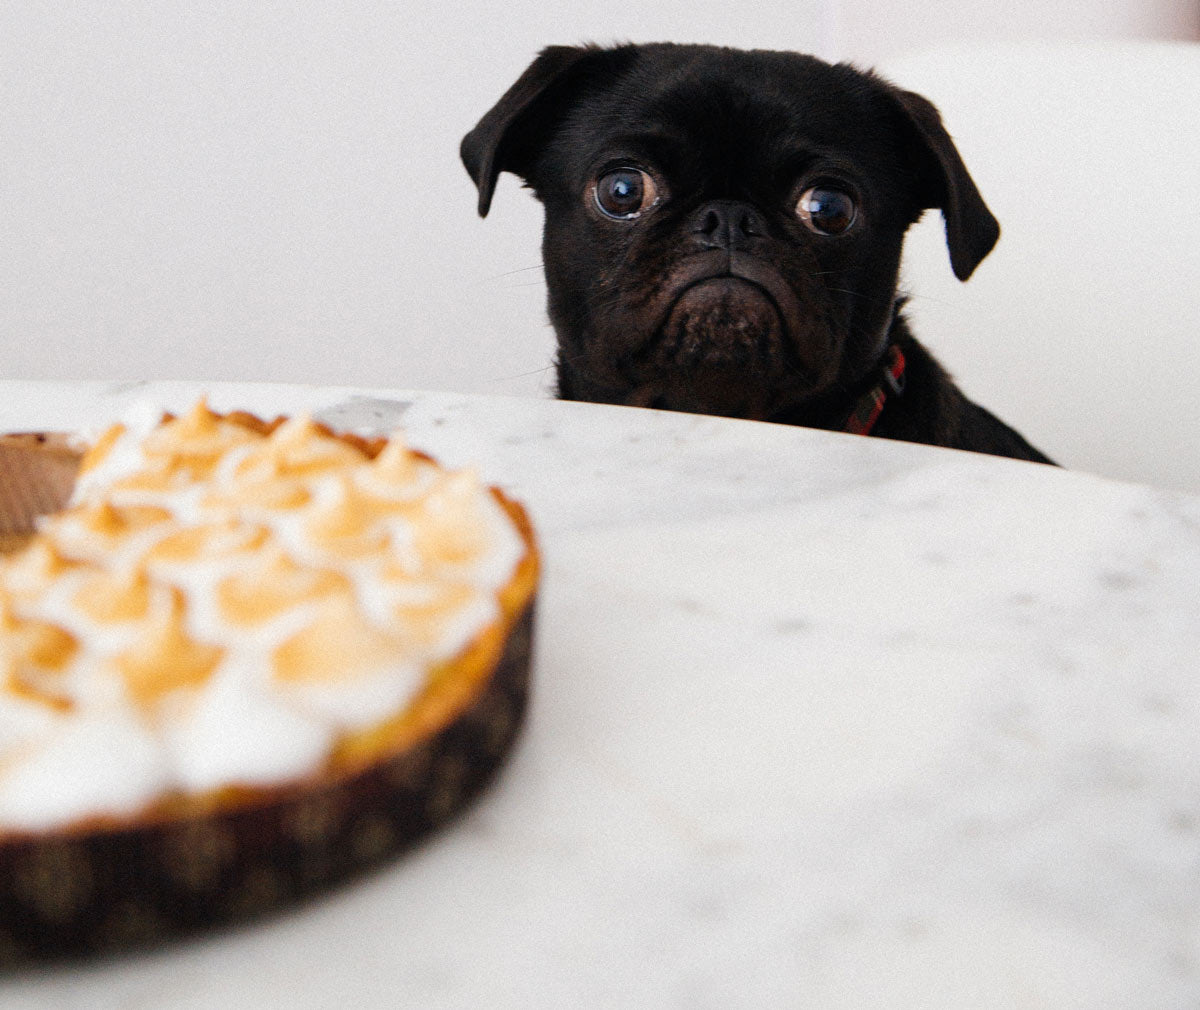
(930, 299)
(518, 270)
(522, 375)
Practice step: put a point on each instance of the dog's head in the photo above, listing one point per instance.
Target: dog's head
(723, 228)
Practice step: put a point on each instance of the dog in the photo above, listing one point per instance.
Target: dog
(723, 231)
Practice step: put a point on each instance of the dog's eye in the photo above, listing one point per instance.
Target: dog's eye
(827, 211)
(624, 193)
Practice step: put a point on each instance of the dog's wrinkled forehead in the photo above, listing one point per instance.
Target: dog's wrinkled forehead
(726, 115)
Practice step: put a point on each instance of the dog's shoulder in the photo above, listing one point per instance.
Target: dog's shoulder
(934, 411)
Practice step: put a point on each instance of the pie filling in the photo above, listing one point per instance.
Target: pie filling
(224, 602)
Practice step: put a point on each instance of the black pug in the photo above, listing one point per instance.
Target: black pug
(723, 234)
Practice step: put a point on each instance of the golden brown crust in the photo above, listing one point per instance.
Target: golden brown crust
(37, 472)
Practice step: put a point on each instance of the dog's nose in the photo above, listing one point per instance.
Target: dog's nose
(727, 224)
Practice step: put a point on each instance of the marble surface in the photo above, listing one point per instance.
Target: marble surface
(817, 720)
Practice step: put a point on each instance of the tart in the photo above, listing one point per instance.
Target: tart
(240, 661)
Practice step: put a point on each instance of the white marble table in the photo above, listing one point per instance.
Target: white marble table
(818, 721)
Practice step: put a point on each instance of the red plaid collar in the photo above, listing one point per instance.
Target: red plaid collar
(870, 405)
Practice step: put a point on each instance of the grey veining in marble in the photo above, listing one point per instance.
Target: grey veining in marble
(818, 721)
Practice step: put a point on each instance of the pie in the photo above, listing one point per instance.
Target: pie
(245, 660)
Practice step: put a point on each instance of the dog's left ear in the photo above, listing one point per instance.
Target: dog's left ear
(943, 182)
(510, 135)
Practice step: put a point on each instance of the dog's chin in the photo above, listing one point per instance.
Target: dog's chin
(721, 350)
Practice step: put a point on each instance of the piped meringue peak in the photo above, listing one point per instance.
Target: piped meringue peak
(216, 578)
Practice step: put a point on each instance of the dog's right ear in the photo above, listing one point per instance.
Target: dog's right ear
(510, 134)
(942, 181)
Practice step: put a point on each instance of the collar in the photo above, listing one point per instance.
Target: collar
(869, 406)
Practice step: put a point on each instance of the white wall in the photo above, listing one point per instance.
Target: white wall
(272, 191)
(868, 31)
